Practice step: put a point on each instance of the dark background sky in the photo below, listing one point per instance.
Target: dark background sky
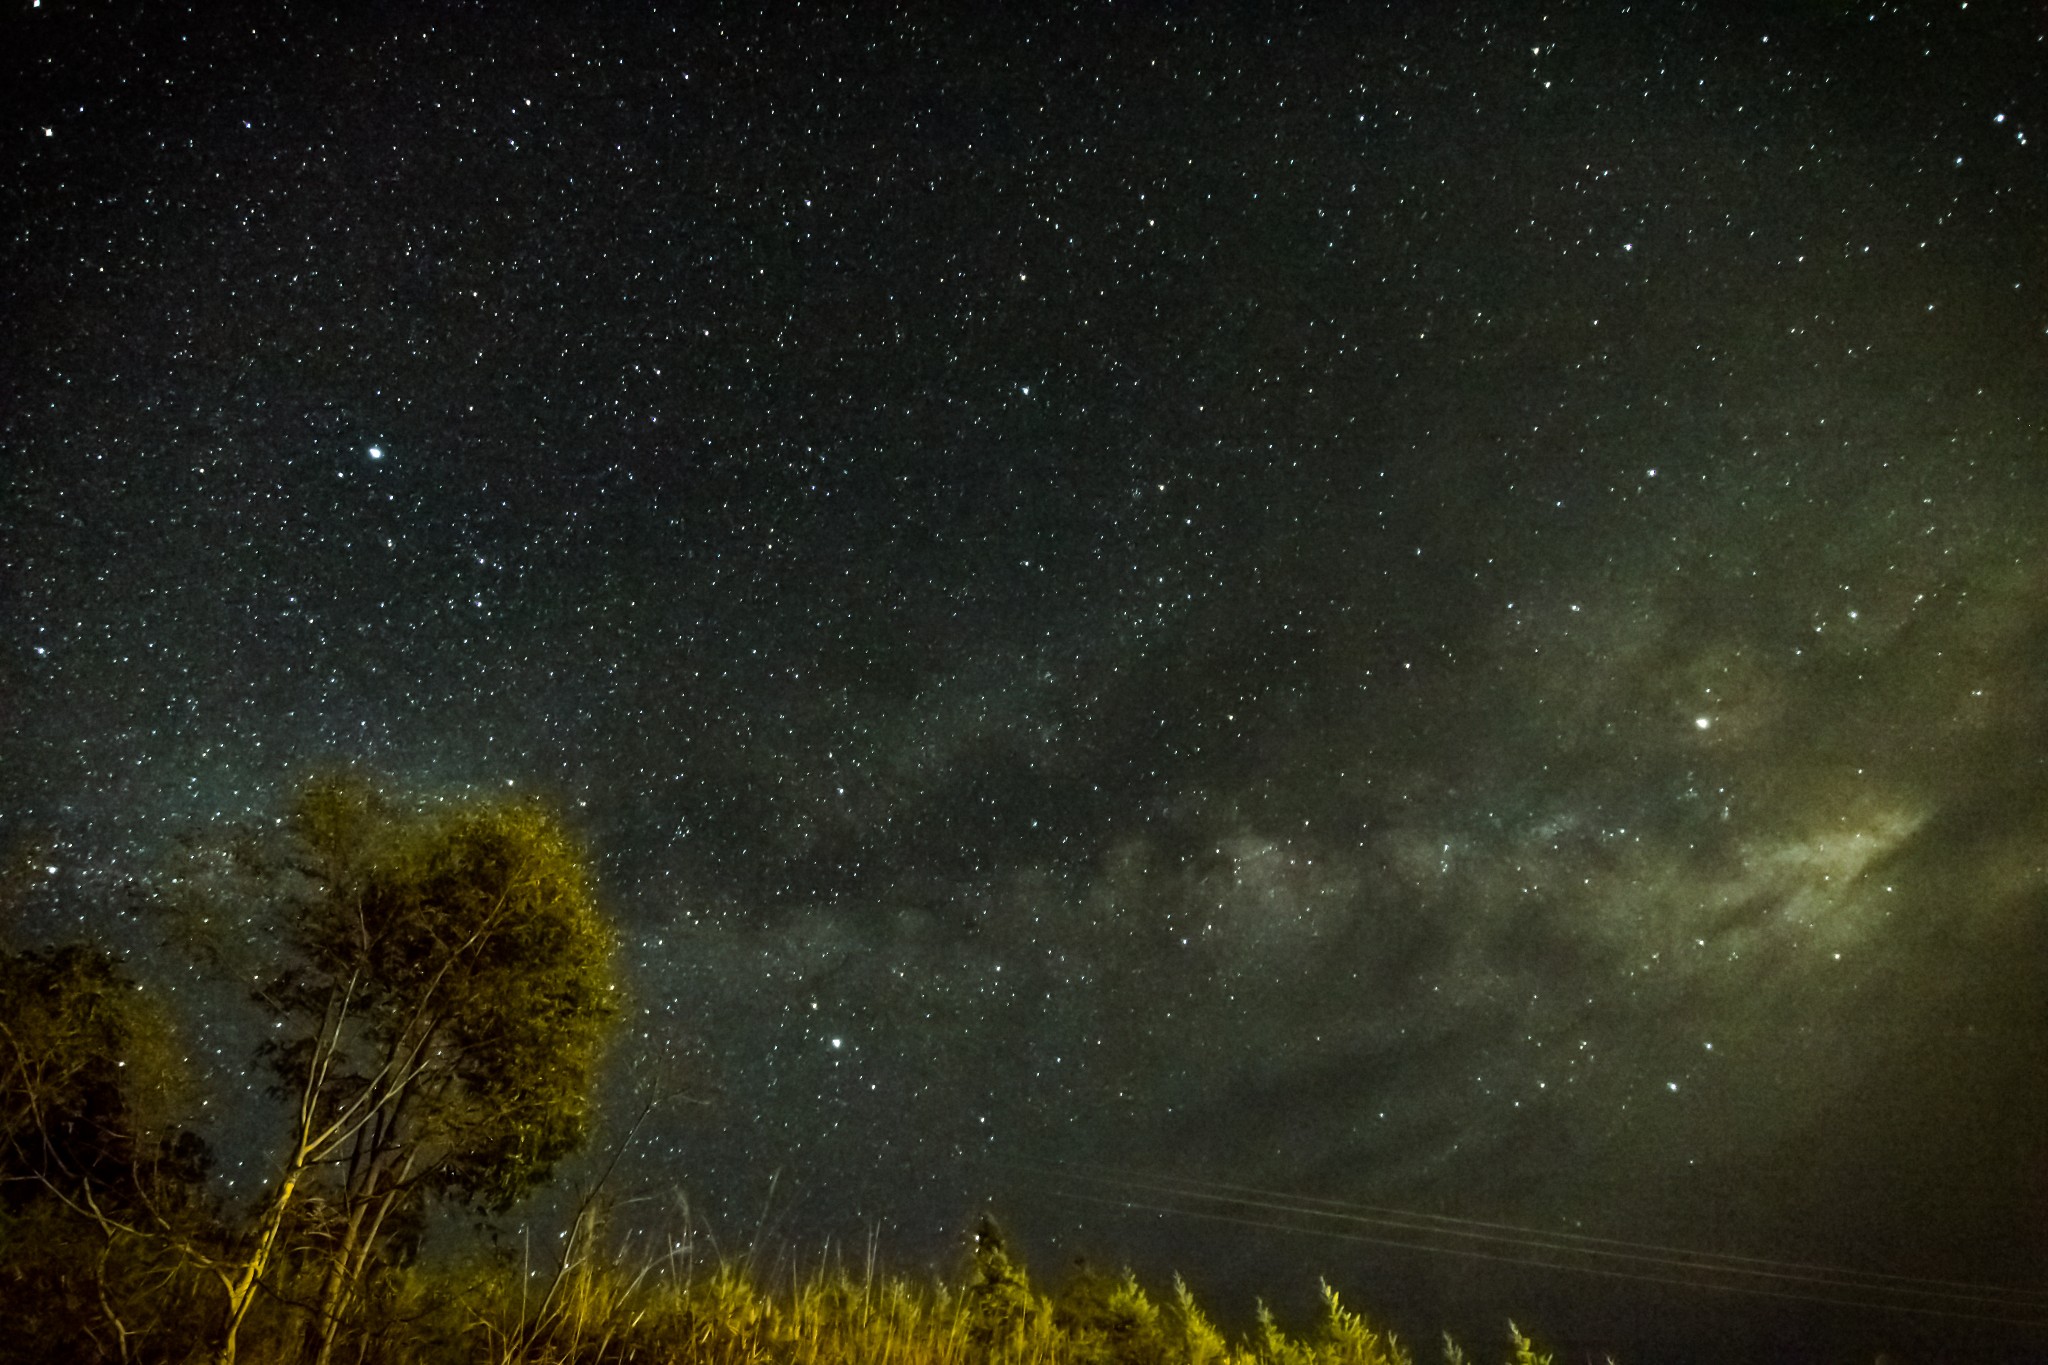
(1434, 605)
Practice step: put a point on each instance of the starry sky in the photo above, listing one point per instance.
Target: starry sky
(1436, 606)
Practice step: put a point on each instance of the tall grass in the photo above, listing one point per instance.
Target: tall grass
(603, 1298)
(598, 1307)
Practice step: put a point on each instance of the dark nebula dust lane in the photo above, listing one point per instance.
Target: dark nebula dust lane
(1442, 607)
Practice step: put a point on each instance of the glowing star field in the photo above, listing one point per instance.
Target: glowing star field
(1442, 607)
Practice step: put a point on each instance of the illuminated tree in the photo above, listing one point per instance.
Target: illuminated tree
(443, 992)
(1002, 1309)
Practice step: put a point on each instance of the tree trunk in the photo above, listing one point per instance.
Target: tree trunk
(241, 1286)
(334, 1288)
(353, 1259)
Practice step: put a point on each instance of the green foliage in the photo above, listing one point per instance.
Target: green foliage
(1194, 1338)
(442, 997)
(441, 989)
(1001, 1307)
(1525, 1349)
(1110, 1320)
(669, 1311)
(440, 986)
(453, 970)
(1348, 1338)
(87, 1085)
(96, 1184)
(1271, 1346)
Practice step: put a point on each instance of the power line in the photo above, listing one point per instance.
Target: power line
(1572, 1242)
(1651, 1262)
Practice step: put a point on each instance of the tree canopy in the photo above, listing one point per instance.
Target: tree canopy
(438, 985)
(86, 1082)
(442, 995)
(451, 973)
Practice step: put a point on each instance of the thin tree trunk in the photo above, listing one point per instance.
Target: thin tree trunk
(242, 1285)
(352, 1264)
(334, 1287)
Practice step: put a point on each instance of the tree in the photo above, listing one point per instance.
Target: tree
(442, 995)
(1002, 1309)
(97, 1186)
(65, 1105)
(1109, 1319)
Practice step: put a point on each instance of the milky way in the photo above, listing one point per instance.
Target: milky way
(1443, 610)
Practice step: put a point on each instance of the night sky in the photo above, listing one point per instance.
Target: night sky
(1443, 606)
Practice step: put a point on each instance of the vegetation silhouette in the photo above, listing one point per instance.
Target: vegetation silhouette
(438, 988)
(89, 1159)
(442, 998)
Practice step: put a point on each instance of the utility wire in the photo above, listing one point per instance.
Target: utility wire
(1144, 1190)
(1749, 1290)
(1570, 1242)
